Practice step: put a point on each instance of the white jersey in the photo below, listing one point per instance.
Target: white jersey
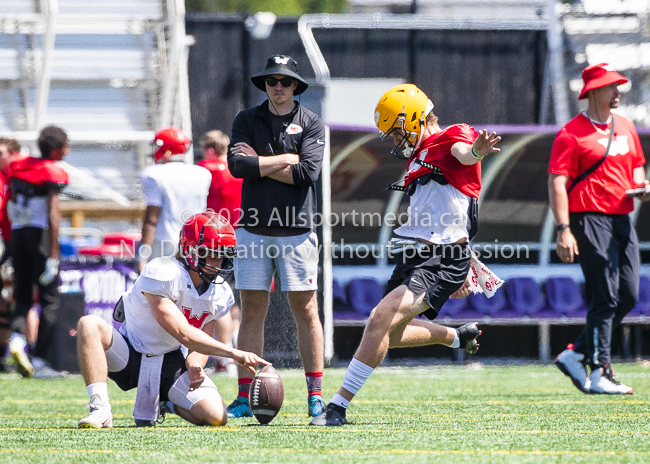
(168, 278)
(437, 214)
(180, 189)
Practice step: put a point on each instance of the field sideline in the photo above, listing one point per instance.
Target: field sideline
(451, 414)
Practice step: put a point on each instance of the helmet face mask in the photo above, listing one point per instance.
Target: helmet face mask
(209, 273)
(402, 149)
(208, 235)
(401, 113)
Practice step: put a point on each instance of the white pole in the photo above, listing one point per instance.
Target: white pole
(556, 63)
(328, 278)
(43, 90)
(176, 10)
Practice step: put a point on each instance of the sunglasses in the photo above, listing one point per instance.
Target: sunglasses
(285, 81)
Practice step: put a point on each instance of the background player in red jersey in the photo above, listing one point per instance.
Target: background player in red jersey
(444, 182)
(224, 198)
(592, 221)
(34, 213)
(9, 149)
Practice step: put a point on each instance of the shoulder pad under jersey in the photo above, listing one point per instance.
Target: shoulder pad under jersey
(162, 269)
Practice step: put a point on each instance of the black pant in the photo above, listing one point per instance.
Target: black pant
(30, 252)
(609, 258)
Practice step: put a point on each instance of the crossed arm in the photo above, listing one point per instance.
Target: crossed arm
(276, 167)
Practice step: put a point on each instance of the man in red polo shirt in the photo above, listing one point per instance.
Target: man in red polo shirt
(593, 223)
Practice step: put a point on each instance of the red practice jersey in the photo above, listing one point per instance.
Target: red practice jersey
(5, 225)
(224, 196)
(436, 150)
(5, 193)
(579, 145)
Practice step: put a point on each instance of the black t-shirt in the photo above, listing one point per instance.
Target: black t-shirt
(274, 231)
(276, 125)
(264, 198)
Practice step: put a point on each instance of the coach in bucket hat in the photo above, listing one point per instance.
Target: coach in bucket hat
(599, 75)
(283, 65)
(277, 148)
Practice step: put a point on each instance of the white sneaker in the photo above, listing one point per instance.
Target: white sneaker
(231, 370)
(570, 363)
(43, 371)
(100, 415)
(227, 366)
(602, 381)
(46, 372)
(17, 345)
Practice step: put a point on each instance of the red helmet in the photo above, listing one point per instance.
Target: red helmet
(171, 139)
(208, 234)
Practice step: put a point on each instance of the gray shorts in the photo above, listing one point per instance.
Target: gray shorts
(259, 256)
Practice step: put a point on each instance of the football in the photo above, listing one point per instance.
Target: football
(266, 394)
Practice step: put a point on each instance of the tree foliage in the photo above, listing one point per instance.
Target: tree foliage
(279, 7)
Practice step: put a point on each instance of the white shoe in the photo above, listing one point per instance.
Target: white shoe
(100, 416)
(17, 345)
(227, 366)
(570, 363)
(602, 381)
(231, 370)
(43, 371)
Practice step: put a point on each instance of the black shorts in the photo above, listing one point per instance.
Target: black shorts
(437, 270)
(172, 368)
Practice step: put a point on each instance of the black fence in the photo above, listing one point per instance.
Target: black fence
(477, 77)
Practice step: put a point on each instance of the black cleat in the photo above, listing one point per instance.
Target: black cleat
(467, 334)
(145, 423)
(333, 416)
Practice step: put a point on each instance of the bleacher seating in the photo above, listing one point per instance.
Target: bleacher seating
(364, 293)
(558, 300)
(488, 306)
(642, 307)
(564, 297)
(338, 294)
(521, 301)
(523, 293)
(107, 79)
(454, 307)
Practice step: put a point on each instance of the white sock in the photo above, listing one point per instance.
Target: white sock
(340, 401)
(100, 389)
(456, 342)
(356, 376)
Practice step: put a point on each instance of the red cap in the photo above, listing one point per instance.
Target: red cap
(599, 75)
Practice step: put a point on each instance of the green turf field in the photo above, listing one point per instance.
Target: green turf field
(439, 414)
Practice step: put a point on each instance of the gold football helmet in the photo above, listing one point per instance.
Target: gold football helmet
(403, 110)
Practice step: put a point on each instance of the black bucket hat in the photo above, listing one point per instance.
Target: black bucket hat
(284, 65)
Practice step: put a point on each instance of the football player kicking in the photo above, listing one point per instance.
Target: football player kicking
(444, 182)
(174, 302)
